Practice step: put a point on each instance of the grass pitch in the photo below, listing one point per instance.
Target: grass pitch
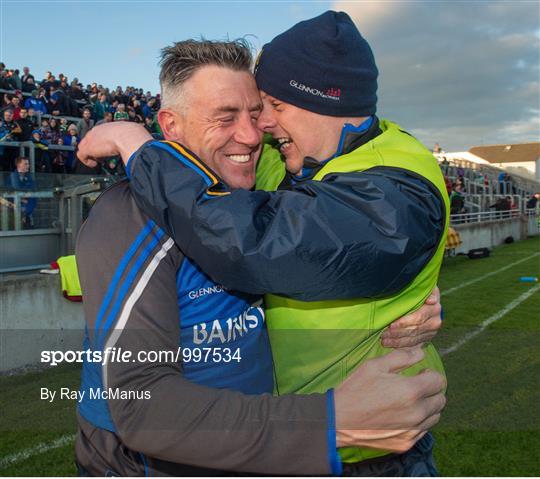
(491, 425)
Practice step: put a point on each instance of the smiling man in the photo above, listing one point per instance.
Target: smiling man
(148, 294)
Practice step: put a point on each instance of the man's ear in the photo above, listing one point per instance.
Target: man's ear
(171, 123)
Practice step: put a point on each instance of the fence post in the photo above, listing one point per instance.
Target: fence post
(76, 213)
(4, 214)
(17, 213)
(62, 220)
(32, 157)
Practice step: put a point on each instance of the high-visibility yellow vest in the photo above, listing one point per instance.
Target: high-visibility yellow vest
(315, 345)
(69, 276)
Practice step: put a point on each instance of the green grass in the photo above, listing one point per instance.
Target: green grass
(491, 425)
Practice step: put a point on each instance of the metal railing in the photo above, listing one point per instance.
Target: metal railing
(482, 202)
(72, 208)
(24, 145)
(52, 235)
(471, 172)
(28, 94)
(10, 201)
(489, 216)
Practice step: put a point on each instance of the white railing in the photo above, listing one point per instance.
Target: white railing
(486, 216)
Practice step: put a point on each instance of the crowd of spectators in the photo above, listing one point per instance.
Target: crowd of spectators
(71, 111)
(456, 189)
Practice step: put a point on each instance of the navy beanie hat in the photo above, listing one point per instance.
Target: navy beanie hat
(322, 65)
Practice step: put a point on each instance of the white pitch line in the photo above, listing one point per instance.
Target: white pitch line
(32, 451)
(480, 278)
(509, 307)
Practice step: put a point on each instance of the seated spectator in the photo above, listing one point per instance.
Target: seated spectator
(58, 104)
(36, 102)
(16, 107)
(107, 119)
(457, 200)
(64, 86)
(76, 91)
(59, 158)
(119, 95)
(71, 139)
(514, 207)
(8, 132)
(100, 107)
(138, 109)
(19, 94)
(85, 123)
(47, 77)
(132, 115)
(22, 179)
(63, 126)
(55, 132)
(6, 102)
(148, 108)
(4, 83)
(50, 83)
(45, 130)
(33, 117)
(29, 86)
(532, 201)
(502, 206)
(26, 125)
(449, 185)
(15, 80)
(113, 166)
(121, 113)
(28, 80)
(93, 93)
(9, 125)
(41, 151)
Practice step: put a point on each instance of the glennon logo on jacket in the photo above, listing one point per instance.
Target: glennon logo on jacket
(331, 93)
(197, 293)
(224, 331)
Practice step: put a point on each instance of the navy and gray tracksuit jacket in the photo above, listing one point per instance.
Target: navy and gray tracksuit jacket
(180, 417)
(145, 292)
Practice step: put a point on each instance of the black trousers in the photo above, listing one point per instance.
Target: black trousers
(417, 462)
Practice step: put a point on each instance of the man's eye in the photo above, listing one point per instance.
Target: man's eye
(228, 119)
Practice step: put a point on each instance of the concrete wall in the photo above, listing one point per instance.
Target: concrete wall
(34, 316)
(493, 233)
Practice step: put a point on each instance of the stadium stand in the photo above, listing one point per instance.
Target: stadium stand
(45, 120)
(481, 192)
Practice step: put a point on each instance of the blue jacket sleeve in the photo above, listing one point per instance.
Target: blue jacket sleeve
(365, 234)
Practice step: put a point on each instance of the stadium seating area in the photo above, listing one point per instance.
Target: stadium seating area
(476, 188)
(55, 113)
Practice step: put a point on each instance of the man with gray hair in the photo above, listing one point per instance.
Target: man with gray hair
(209, 409)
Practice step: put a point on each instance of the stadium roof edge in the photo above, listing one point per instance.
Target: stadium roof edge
(508, 152)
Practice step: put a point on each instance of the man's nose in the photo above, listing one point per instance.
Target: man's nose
(247, 133)
(266, 120)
